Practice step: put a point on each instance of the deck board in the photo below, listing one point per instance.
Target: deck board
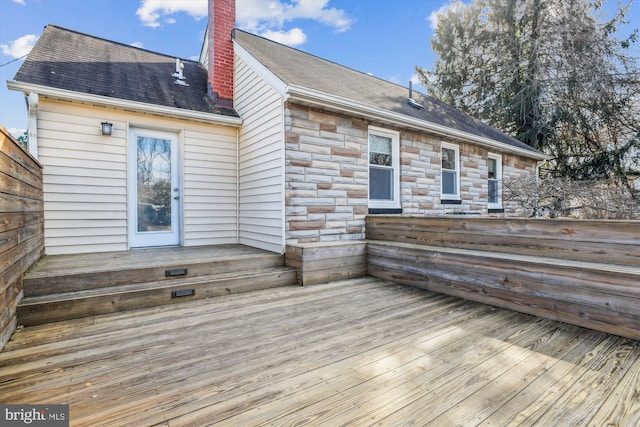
(355, 352)
(150, 257)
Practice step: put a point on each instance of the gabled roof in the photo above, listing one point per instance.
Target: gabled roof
(300, 69)
(72, 61)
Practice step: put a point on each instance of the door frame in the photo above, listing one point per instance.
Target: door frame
(138, 239)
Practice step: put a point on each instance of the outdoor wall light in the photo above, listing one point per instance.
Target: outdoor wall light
(107, 128)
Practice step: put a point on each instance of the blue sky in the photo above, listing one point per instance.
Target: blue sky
(386, 38)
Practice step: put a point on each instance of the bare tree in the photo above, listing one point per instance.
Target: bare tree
(565, 198)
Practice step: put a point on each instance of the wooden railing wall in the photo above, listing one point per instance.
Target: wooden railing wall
(21, 225)
(578, 271)
(604, 241)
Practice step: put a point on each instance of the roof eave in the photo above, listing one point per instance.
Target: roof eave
(123, 104)
(306, 95)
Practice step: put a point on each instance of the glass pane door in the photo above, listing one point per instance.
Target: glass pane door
(154, 189)
(154, 184)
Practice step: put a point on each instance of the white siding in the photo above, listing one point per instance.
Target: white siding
(85, 178)
(209, 186)
(261, 160)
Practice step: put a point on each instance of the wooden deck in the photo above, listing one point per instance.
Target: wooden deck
(584, 272)
(63, 287)
(356, 352)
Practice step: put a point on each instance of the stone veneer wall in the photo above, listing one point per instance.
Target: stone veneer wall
(326, 181)
(420, 176)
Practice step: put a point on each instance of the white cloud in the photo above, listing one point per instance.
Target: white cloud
(136, 44)
(19, 47)
(293, 37)
(20, 2)
(264, 17)
(437, 14)
(414, 79)
(397, 79)
(269, 16)
(151, 11)
(16, 132)
(318, 10)
(417, 84)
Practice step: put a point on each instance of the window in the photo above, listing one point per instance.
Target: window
(384, 168)
(450, 156)
(495, 181)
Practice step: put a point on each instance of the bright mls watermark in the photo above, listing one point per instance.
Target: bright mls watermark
(34, 415)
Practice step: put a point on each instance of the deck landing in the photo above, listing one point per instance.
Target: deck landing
(357, 352)
(64, 287)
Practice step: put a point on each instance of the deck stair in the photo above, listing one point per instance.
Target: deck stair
(64, 287)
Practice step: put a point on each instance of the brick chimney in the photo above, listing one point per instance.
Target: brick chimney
(222, 20)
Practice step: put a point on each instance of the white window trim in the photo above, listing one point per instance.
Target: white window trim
(395, 143)
(448, 196)
(498, 159)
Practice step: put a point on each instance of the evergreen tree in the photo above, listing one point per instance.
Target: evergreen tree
(23, 140)
(551, 73)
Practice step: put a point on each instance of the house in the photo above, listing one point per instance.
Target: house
(257, 143)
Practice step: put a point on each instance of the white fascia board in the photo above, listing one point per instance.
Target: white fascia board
(205, 47)
(298, 93)
(259, 68)
(123, 104)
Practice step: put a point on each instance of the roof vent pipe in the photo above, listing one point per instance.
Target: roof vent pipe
(411, 101)
(179, 74)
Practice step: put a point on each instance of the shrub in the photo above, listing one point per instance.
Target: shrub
(563, 198)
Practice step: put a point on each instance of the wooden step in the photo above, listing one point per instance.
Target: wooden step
(70, 273)
(41, 309)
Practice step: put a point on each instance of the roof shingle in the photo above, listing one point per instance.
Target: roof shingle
(295, 67)
(66, 59)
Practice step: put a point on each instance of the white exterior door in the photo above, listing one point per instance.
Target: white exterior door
(154, 189)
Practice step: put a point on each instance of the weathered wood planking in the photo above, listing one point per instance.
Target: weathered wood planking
(569, 284)
(358, 352)
(53, 308)
(514, 286)
(21, 225)
(63, 287)
(78, 272)
(615, 242)
(324, 262)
